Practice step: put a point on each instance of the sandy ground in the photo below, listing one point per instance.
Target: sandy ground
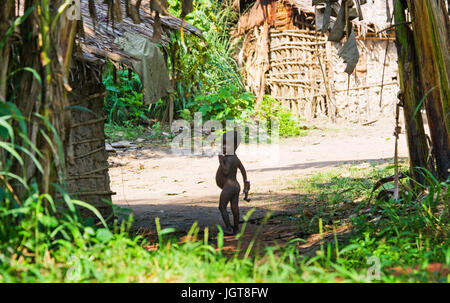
(153, 182)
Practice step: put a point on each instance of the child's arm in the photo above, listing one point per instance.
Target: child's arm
(244, 174)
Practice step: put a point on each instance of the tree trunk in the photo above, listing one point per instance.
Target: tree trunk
(441, 44)
(47, 49)
(7, 9)
(409, 85)
(59, 50)
(427, 49)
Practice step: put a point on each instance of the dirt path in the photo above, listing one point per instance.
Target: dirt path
(180, 190)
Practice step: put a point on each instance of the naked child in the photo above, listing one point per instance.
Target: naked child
(226, 180)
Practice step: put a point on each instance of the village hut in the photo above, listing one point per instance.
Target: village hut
(99, 42)
(284, 55)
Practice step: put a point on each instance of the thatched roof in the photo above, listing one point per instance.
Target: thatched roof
(254, 17)
(98, 42)
(374, 14)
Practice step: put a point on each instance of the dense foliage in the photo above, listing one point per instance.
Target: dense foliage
(123, 101)
(272, 110)
(229, 103)
(206, 80)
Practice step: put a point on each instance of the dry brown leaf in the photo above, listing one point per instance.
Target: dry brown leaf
(326, 17)
(133, 10)
(117, 7)
(93, 12)
(337, 33)
(349, 52)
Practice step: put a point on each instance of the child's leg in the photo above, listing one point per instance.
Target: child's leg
(235, 209)
(225, 196)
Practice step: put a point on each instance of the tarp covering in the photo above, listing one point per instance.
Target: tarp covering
(151, 68)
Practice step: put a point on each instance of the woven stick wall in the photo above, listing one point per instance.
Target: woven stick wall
(298, 66)
(288, 67)
(87, 164)
(294, 75)
(255, 57)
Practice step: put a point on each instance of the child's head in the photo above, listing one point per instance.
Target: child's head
(230, 142)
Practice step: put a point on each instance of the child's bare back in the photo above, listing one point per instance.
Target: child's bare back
(226, 174)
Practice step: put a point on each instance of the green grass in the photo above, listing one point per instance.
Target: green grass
(409, 233)
(124, 260)
(117, 132)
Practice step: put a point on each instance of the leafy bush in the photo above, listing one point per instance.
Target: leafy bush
(123, 101)
(229, 103)
(204, 64)
(270, 109)
(126, 130)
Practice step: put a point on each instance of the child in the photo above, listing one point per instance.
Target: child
(226, 180)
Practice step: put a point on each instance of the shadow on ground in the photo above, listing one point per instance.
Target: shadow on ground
(281, 227)
(323, 164)
(206, 213)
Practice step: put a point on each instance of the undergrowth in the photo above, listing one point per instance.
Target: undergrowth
(409, 236)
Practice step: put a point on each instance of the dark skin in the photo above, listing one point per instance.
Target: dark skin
(226, 180)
